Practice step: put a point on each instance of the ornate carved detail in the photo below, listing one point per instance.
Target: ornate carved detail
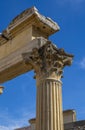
(22, 16)
(48, 60)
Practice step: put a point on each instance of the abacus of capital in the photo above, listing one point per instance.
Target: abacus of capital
(28, 48)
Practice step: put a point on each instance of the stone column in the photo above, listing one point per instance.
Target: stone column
(48, 63)
(49, 104)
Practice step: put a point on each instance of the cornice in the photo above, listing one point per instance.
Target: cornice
(28, 13)
(29, 17)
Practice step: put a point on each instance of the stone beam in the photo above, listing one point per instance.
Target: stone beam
(21, 36)
(13, 64)
(24, 28)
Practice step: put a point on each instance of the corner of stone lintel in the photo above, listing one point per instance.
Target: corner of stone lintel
(56, 26)
(48, 22)
(34, 8)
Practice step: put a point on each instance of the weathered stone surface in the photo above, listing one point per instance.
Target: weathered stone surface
(22, 49)
(30, 22)
(48, 63)
(14, 65)
(48, 59)
(21, 36)
(69, 116)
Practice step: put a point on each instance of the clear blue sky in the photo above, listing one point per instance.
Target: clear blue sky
(18, 102)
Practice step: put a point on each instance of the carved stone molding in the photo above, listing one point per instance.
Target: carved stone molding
(48, 60)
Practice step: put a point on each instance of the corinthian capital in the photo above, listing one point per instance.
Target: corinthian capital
(48, 60)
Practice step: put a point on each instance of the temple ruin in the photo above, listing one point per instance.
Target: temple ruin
(25, 46)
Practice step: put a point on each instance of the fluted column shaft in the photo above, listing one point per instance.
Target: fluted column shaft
(48, 63)
(49, 105)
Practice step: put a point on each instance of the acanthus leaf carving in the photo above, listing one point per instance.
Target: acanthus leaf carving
(48, 60)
